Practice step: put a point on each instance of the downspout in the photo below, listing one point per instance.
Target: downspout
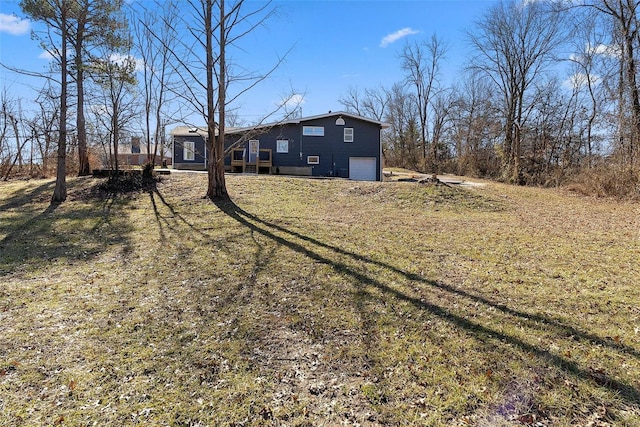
(204, 138)
(379, 177)
(301, 136)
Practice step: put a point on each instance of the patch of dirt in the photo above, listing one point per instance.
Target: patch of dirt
(307, 379)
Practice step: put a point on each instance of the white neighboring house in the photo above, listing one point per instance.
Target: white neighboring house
(134, 153)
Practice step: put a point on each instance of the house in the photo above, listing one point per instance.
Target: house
(134, 153)
(334, 144)
(188, 148)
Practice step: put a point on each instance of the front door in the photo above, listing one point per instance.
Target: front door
(254, 149)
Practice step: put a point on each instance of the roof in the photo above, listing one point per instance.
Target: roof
(189, 131)
(298, 120)
(202, 130)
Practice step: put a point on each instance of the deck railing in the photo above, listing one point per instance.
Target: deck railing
(239, 162)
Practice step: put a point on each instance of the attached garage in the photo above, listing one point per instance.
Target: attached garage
(363, 168)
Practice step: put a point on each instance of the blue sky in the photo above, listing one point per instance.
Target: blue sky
(334, 45)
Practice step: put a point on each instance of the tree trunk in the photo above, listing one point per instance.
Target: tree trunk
(635, 97)
(60, 190)
(217, 187)
(81, 126)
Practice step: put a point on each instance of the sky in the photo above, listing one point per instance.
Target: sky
(330, 46)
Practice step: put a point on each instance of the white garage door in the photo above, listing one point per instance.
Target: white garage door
(362, 168)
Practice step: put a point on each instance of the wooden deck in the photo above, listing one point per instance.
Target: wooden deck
(240, 164)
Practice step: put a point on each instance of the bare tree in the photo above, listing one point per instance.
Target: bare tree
(10, 129)
(43, 126)
(212, 85)
(441, 106)
(116, 83)
(623, 17)
(155, 39)
(5, 133)
(421, 63)
(401, 146)
(474, 126)
(351, 101)
(586, 75)
(514, 43)
(372, 104)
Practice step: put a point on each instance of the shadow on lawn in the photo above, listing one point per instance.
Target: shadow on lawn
(26, 195)
(481, 332)
(61, 232)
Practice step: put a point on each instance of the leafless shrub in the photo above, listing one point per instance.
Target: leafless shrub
(609, 181)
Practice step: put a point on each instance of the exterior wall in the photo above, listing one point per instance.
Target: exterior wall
(198, 163)
(334, 153)
(331, 149)
(141, 159)
(268, 140)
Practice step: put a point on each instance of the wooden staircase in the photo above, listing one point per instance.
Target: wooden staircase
(263, 161)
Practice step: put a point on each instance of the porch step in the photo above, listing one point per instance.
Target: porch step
(250, 169)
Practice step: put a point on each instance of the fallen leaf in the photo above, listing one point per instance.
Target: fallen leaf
(526, 419)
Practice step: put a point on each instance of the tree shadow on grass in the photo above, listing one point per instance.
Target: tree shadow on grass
(26, 195)
(71, 231)
(313, 249)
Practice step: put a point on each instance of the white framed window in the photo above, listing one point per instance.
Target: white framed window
(313, 160)
(282, 146)
(313, 130)
(348, 134)
(189, 151)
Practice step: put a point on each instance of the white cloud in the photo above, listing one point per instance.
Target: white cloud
(120, 59)
(13, 25)
(46, 55)
(606, 50)
(393, 37)
(580, 80)
(294, 101)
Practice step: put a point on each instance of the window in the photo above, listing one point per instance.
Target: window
(313, 130)
(282, 146)
(348, 134)
(313, 160)
(189, 151)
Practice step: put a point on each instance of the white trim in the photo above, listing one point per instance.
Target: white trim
(312, 130)
(188, 151)
(281, 147)
(348, 134)
(313, 160)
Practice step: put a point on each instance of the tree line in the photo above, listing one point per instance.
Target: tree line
(549, 93)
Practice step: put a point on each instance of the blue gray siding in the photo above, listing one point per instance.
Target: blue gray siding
(331, 149)
(198, 162)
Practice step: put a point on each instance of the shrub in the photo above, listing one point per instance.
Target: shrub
(607, 181)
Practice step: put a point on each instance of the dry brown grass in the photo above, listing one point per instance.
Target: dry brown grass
(318, 302)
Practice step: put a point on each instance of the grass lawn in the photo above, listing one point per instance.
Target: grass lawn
(317, 302)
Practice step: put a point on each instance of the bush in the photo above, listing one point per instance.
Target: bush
(607, 181)
(128, 183)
